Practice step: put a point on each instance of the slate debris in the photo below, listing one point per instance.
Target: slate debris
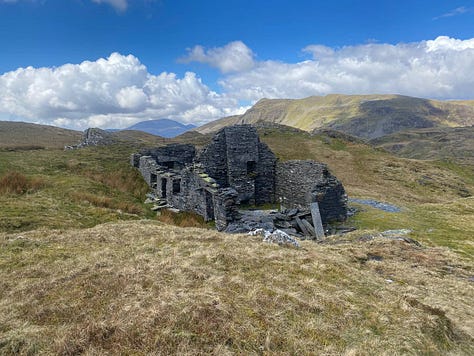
(294, 222)
(277, 237)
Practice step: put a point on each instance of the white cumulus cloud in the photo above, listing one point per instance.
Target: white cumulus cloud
(110, 92)
(233, 57)
(118, 91)
(439, 68)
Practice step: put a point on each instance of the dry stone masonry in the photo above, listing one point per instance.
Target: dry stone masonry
(300, 183)
(237, 168)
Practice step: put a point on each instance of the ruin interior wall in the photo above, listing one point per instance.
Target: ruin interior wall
(236, 158)
(174, 156)
(194, 194)
(265, 175)
(242, 160)
(300, 183)
(214, 159)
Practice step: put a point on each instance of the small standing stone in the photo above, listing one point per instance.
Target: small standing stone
(318, 225)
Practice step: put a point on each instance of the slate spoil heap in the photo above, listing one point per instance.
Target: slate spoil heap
(93, 137)
(236, 169)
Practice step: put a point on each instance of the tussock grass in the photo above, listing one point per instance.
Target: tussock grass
(17, 183)
(82, 188)
(148, 288)
(106, 202)
(181, 219)
(368, 172)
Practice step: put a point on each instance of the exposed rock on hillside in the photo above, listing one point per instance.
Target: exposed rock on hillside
(94, 137)
(364, 116)
(435, 143)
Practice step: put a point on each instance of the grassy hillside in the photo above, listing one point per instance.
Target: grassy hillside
(367, 116)
(63, 189)
(21, 135)
(438, 143)
(436, 197)
(81, 271)
(146, 288)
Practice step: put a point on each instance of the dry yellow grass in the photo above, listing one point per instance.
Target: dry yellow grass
(366, 171)
(181, 219)
(143, 287)
(26, 136)
(16, 183)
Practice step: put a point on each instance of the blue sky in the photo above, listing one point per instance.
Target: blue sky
(111, 63)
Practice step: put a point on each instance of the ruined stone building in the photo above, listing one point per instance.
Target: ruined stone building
(237, 168)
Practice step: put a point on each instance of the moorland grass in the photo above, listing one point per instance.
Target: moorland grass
(63, 189)
(143, 287)
(70, 284)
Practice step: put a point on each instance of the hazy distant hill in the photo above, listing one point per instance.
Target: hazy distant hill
(25, 135)
(366, 116)
(161, 127)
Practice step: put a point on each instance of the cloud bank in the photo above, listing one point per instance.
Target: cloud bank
(113, 92)
(440, 68)
(118, 91)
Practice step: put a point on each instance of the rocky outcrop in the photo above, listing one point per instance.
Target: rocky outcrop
(94, 137)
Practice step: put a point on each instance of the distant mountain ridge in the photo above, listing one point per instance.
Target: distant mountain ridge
(364, 116)
(161, 127)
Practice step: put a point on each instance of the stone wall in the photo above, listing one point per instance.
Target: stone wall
(236, 158)
(214, 159)
(237, 168)
(225, 208)
(265, 179)
(195, 194)
(148, 168)
(299, 183)
(174, 156)
(242, 160)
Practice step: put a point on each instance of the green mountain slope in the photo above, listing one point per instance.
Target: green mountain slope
(435, 143)
(25, 135)
(365, 116)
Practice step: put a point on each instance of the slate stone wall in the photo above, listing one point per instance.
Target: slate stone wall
(225, 207)
(148, 167)
(135, 159)
(194, 194)
(214, 159)
(236, 158)
(174, 156)
(237, 168)
(299, 183)
(265, 179)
